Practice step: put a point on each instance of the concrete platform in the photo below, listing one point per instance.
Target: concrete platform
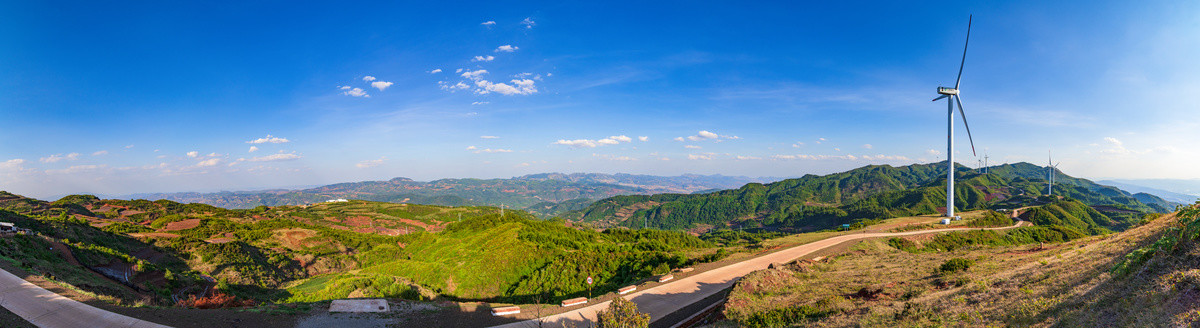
(359, 305)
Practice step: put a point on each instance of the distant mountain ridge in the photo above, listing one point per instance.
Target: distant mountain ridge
(860, 195)
(540, 193)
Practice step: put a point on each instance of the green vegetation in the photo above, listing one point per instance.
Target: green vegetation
(955, 265)
(990, 219)
(1187, 231)
(622, 313)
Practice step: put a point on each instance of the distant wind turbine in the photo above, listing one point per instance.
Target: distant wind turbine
(953, 94)
(1050, 166)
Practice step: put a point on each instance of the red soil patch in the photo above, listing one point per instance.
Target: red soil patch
(358, 221)
(182, 225)
(155, 234)
(219, 240)
(423, 225)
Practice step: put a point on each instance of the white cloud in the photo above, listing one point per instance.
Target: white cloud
(253, 149)
(577, 143)
(528, 22)
(355, 92)
(471, 147)
(519, 87)
(705, 135)
(209, 162)
(643, 138)
(268, 139)
(797, 144)
(691, 147)
(933, 152)
(435, 71)
(506, 48)
(129, 146)
(489, 137)
(868, 146)
(488, 23)
(483, 58)
(701, 157)
(480, 102)
(381, 85)
(275, 158)
(454, 87)
(368, 78)
(588, 143)
(370, 163)
(12, 163)
(100, 152)
(59, 157)
(474, 75)
(193, 154)
(489, 151)
(743, 158)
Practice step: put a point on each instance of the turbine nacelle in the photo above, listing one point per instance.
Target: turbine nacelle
(947, 91)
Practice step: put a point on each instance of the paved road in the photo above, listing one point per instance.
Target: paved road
(666, 299)
(46, 309)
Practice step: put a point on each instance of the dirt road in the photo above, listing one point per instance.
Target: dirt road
(666, 299)
(46, 309)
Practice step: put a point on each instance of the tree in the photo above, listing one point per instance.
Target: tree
(622, 313)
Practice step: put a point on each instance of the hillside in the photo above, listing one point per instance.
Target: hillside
(1147, 276)
(158, 252)
(857, 196)
(518, 192)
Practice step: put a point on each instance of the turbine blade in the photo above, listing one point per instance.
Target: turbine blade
(964, 117)
(940, 98)
(964, 58)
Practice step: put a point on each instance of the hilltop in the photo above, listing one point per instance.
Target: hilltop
(858, 196)
(1145, 276)
(540, 193)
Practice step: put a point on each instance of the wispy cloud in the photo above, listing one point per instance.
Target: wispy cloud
(488, 23)
(483, 58)
(269, 139)
(370, 163)
(59, 157)
(193, 154)
(706, 135)
(435, 71)
(368, 78)
(354, 92)
(489, 137)
(275, 158)
(209, 162)
(528, 22)
(253, 149)
(589, 143)
(506, 48)
(100, 152)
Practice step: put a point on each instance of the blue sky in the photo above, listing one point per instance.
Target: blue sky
(150, 96)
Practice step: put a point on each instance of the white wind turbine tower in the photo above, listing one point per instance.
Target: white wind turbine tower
(1050, 167)
(952, 93)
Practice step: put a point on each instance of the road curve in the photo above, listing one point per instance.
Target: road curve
(665, 299)
(45, 309)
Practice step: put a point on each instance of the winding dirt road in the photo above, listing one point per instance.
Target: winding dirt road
(665, 299)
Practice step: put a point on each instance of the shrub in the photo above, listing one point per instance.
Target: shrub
(622, 313)
(215, 301)
(903, 244)
(955, 265)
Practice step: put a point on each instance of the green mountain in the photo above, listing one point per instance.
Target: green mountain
(531, 192)
(857, 196)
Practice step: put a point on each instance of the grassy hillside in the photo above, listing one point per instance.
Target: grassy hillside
(857, 196)
(1032, 276)
(155, 252)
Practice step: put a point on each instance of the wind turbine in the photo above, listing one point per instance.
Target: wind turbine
(952, 93)
(1050, 166)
